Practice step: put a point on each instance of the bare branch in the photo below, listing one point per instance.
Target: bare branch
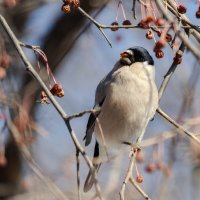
(33, 165)
(169, 74)
(182, 36)
(57, 106)
(138, 188)
(181, 128)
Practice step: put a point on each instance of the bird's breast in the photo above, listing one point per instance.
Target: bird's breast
(128, 106)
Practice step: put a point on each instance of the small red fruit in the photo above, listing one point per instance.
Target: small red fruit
(160, 22)
(167, 171)
(143, 24)
(66, 8)
(43, 97)
(149, 19)
(126, 22)
(178, 57)
(114, 28)
(57, 90)
(61, 94)
(151, 167)
(149, 35)
(198, 14)
(159, 53)
(159, 45)
(76, 3)
(160, 165)
(139, 157)
(181, 9)
(177, 60)
(139, 179)
(3, 160)
(168, 37)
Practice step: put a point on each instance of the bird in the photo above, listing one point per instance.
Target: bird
(126, 99)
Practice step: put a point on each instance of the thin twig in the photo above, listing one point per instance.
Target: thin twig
(80, 114)
(57, 106)
(33, 165)
(176, 28)
(138, 188)
(133, 9)
(128, 175)
(96, 23)
(169, 74)
(181, 128)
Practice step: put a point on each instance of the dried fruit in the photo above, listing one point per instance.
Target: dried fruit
(168, 37)
(2, 73)
(151, 167)
(160, 22)
(139, 179)
(143, 24)
(181, 9)
(139, 157)
(178, 57)
(68, 1)
(149, 35)
(57, 90)
(61, 94)
(66, 8)
(177, 60)
(126, 22)
(198, 14)
(167, 171)
(149, 19)
(159, 45)
(159, 53)
(3, 160)
(114, 24)
(160, 165)
(44, 98)
(76, 3)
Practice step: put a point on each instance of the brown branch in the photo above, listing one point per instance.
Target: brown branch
(102, 26)
(32, 164)
(96, 23)
(138, 188)
(56, 105)
(128, 175)
(130, 179)
(176, 28)
(181, 128)
(169, 74)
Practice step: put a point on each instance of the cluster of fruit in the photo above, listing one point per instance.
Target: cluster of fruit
(68, 4)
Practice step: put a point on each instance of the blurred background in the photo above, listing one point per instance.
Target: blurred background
(79, 57)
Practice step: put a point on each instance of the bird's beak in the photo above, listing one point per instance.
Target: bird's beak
(124, 54)
(125, 60)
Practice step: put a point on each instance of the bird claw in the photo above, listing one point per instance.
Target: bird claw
(134, 149)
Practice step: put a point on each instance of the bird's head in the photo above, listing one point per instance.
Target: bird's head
(136, 54)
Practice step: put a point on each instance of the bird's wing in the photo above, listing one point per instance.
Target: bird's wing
(99, 100)
(91, 123)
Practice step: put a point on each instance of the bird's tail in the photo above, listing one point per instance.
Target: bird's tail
(91, 178)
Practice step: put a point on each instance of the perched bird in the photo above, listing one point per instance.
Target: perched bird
(126, 99)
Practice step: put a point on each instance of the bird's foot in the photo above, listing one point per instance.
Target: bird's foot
(134, 148)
